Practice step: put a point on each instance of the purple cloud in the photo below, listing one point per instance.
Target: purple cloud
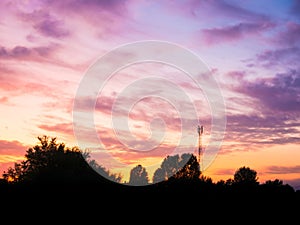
(234, 32)
(282, 169)
(252, 130)
(104, 13)
(224, 9)
(277, 103)
(236, 11)
(19, 52)
(290, 36)
(282, 56)
(110, 5)
(295, 9)
(280, 93)
(52, 28)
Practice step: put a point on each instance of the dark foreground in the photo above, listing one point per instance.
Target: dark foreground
(160, 203)
(187, 192)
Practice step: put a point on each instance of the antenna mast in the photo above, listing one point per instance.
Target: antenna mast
(200, 144)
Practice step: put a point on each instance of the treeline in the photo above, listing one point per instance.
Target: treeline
(54, 167)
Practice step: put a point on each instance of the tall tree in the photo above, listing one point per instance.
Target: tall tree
(138, 176)
(177, 166)
(51, 162)
(189, 167)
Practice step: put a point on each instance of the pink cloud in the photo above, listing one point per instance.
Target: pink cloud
(8, 78)
(113, 6)
(61, 128)
(12, 147)
(107, 16)
(228, 172)
(10, 153)
(4, 99)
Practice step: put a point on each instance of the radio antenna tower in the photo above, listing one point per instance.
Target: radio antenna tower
(200, 144)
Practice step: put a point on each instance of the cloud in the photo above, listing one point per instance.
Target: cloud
(295, 8)
(115, 6)
(11, 152)
(287, 57)
(51, 28)
(228, 172)
(44, 23)
(235, 11)
(282, 169)
(251, 132)
(271, 115)
(108, 16)
(8, 78)
(3, 99)
(278, 94)
(290, 36)
(233, 33)
(217, 8)
(19, 85)
(12, 148)
(28, 53)
(61, 128)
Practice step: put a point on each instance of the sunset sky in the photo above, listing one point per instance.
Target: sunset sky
(250, 47)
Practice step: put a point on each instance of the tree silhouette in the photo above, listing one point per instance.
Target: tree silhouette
(275, 182)
(245, 179)
(277, 186)
(190, 168)
(177, 166)
(245, 175)
(52, 162)
(138, 176)
(158, 176)
(102, 170)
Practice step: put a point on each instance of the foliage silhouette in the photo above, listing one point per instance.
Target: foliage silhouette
(50, 162)
(276, 186)
(245, 175)
(177, 166)
(102, 170)
(138, 176)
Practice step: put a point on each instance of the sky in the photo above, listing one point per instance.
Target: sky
(51, 82)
